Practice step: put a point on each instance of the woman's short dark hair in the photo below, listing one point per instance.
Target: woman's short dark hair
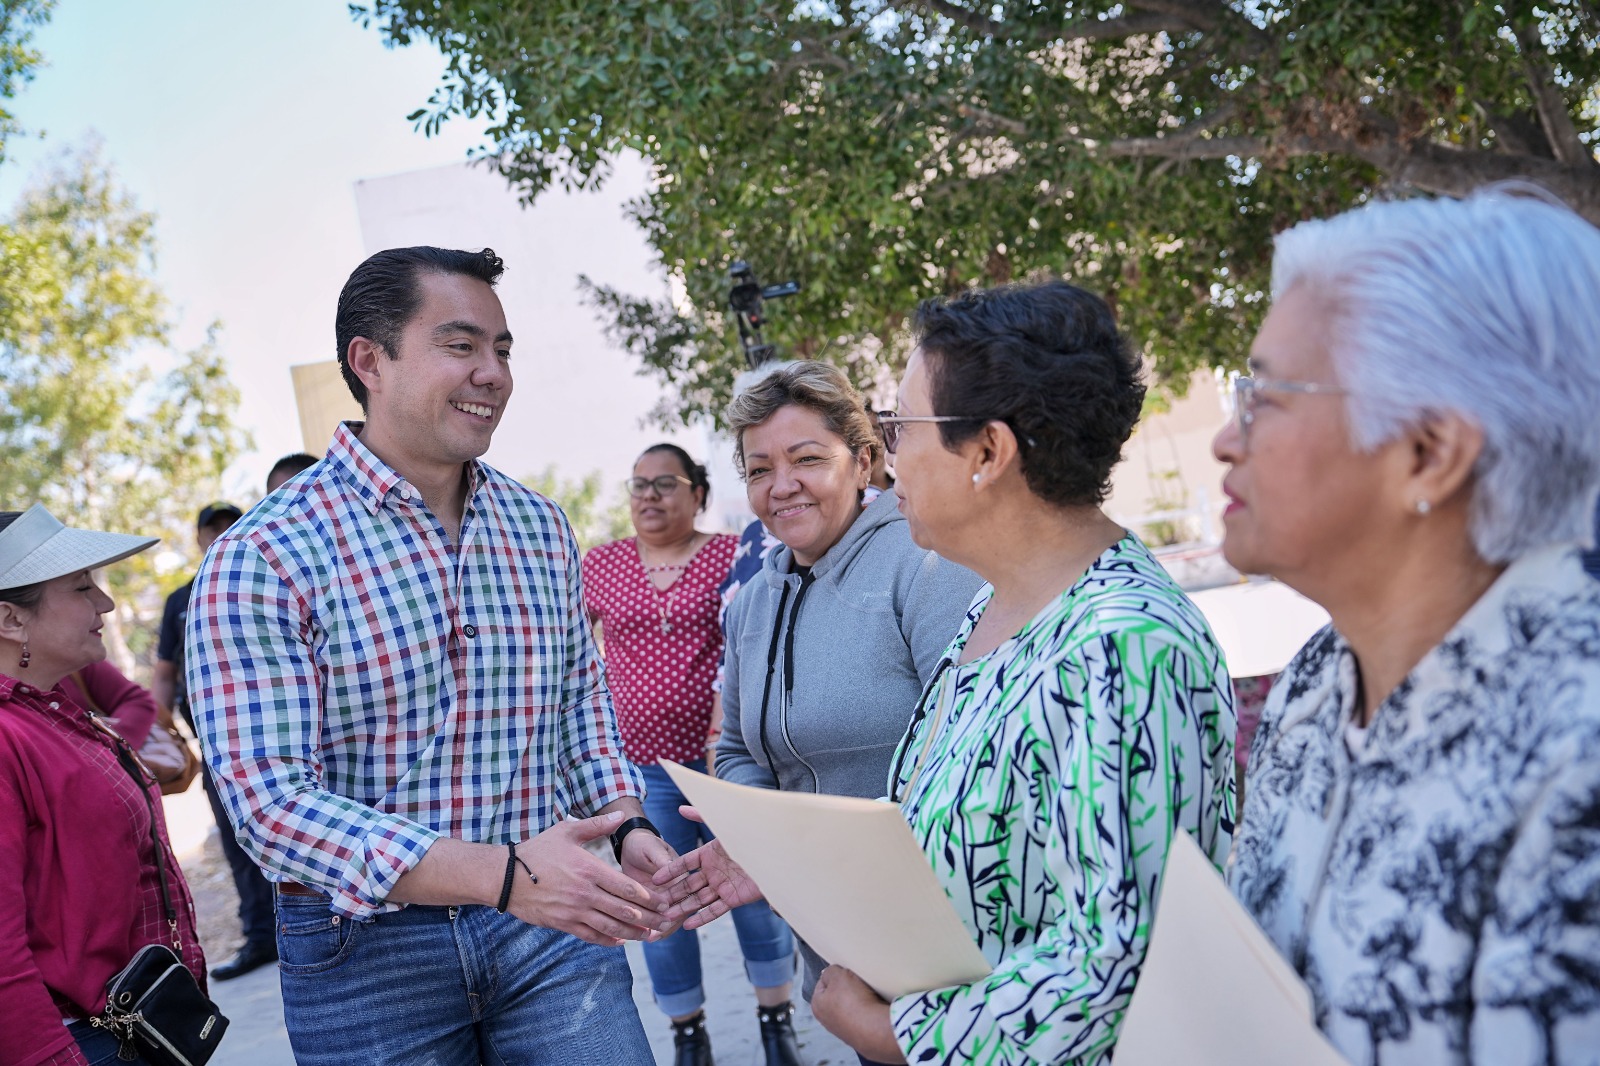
(382, 294)
(1047, 360)
(27, 596)
(695, 472)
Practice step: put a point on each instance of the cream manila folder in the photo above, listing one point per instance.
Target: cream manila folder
(1213, 990)
(849, 877)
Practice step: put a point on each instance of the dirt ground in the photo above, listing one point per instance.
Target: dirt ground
(216, 903)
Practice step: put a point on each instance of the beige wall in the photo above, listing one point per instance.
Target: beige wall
(1167, 465)
(324, 401)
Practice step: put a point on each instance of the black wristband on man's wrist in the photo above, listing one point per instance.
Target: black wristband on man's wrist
(627, 827)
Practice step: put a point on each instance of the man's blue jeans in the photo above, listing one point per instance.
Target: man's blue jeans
(674, 963)
(450, 986)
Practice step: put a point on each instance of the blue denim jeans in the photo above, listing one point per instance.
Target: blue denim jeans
(450, 986)
(99, 1048)
(674, 963)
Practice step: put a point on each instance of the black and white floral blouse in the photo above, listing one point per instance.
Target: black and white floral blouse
(1437, 882)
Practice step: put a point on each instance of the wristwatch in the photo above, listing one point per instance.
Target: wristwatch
(627, 827)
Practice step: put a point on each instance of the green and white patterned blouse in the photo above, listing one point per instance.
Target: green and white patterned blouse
(1070, 756)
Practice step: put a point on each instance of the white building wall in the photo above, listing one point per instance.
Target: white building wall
(579, 404)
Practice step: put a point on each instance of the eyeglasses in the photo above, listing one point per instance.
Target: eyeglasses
(1246, 390)
(665, 485)
(892, 422)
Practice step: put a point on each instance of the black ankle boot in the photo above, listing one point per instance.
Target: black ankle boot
(692, 1041)
(777, 1035)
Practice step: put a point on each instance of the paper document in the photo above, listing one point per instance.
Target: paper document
(849, 877)
(1214, 990)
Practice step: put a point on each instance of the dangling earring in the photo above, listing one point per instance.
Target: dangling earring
(1423, 507)
(27, 656)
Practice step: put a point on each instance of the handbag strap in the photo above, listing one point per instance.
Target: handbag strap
(130, 763)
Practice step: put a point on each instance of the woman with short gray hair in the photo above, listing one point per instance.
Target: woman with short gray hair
(1417, 449)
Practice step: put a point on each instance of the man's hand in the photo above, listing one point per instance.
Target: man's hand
(705, 883)
(578, 893)
(850, 1010)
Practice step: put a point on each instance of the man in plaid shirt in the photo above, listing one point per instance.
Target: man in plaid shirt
(400, 697)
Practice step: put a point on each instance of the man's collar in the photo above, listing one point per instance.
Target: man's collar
(372, 478)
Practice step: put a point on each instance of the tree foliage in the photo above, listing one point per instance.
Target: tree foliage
(18, 21)
(885, 151)
(594, 521)
(86, 428)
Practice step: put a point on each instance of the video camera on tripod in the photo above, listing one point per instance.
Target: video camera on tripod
(746, 297)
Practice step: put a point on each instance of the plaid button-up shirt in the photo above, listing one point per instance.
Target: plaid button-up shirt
(363, 686)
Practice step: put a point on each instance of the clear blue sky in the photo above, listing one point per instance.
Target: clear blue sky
(244, 127)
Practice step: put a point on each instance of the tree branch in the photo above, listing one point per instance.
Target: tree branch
(1181, 149)
(1195, 14)
(1431, 167)
(1449, 171)
(1187, 142)
(1206, 16)
(1559, 129)
(1088, 29)
(987, 118)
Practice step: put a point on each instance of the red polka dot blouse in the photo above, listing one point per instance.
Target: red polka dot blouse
(661, 646)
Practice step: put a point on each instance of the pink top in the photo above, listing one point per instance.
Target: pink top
(661, 647)
(78, 887)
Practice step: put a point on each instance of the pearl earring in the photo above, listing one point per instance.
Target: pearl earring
(27, 656)
(1423, 507)
(976, 478)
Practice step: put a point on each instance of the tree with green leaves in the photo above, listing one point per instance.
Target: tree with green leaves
(18, 21)
(85, 427)
(594, 521)
(884, 151)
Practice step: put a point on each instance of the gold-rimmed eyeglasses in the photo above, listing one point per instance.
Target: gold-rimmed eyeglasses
(892, 422)
(1247, 390)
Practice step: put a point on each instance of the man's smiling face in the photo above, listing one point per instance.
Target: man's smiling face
(438, 401)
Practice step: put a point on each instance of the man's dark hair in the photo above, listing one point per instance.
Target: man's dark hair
(1047, 360)
(695, 472)
(382, 295)
(290, 465)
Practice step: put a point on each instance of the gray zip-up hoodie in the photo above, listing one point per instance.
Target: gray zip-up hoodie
(824, 671)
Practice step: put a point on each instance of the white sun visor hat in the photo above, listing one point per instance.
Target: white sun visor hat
(37, 548)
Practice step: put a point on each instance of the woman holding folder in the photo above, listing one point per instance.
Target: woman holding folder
(1082, 716)
(1418, 451)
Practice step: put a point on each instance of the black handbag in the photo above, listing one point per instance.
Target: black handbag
(154, 1006)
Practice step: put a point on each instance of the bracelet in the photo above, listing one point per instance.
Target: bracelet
(512, 862)
(627, 827)
(505, 887)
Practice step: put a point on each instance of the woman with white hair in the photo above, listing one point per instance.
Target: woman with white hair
(1417, 449)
